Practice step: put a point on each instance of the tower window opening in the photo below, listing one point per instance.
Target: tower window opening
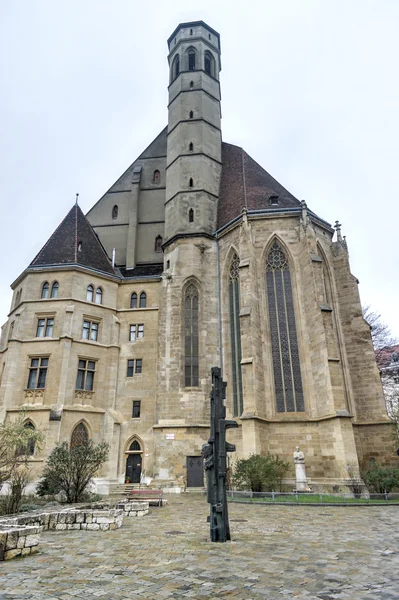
(79, 246)
(209, 64)
(191, 60)
(115, 211)
(191, 147)
(191, 114)
(209, 36)
(175, 41)
(191, 32)
(191, 216)
(191, 182)
(175, 67)
(156, 178)
(191, 84)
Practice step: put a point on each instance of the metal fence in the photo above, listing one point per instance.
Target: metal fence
(311, 498)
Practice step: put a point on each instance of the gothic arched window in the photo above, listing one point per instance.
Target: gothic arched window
(191, 114)
(175, 67)
(31, 443)
(143, 300)
(191, 147)
(133, 300)
(115, 211)
(191, 182)
(80, 435)
(90, 293)
(191, 60)
(235, 334)
(99, 296)
(191, 337)
(156, 178)
(54, 289)
(191, 215)
(45, 289)
(209, 64)
(135, 446)
(284, 342)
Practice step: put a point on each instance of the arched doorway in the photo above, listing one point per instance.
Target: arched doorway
(134, 463)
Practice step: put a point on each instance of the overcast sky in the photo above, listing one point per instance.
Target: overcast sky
(310, 89)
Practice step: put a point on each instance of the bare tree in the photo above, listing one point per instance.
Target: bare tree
(381, 335)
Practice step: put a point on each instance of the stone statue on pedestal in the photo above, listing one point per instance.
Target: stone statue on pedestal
(300, 472)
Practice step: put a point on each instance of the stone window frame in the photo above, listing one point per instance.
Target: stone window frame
(134, 367)
(136, 409)
(55, 286)
(37, 373)
(192, 281)
(88, 373)
(93, 326)
(136, 332)
(286, 349)
(46, 329)
(235, 334)
(80, 429)
(45, 291)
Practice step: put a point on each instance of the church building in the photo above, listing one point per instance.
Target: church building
(195, 257)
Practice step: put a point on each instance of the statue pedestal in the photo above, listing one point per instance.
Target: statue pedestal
(300, 476)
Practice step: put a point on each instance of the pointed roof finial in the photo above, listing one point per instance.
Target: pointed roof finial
(337, 228)
(77, 199)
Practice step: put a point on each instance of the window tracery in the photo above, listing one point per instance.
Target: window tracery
(235, 335)
(191, 306)
(284, 342)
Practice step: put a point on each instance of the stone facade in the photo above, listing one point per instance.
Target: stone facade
(172, 225)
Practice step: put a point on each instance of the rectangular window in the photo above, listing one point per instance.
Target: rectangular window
(90, 331)
(37, 373)
(45, 327)
(130, 368)
(136, 409)
(136, 332)
(134, 366)
(85, 378)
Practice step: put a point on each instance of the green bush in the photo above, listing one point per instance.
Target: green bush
(71, 469)
(260, 473)
(382, 480)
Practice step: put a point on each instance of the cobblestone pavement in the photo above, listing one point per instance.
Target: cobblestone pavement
(277, 552)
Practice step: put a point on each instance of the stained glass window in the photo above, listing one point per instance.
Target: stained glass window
(284, 342)
(235, 334)
(79, 436)
(191, 336)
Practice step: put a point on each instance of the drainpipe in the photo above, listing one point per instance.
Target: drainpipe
(220, 365)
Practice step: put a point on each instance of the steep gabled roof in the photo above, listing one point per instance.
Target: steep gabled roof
(245, 183)
(74, 242)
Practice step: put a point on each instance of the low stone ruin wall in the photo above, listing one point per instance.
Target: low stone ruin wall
(18, 541)
(20, 534)
(133, 509)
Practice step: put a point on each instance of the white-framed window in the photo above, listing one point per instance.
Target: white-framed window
(45, 327)
(90, 330)
(136, 332)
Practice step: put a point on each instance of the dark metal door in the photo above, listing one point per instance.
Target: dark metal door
(133, 468)
(195, 471)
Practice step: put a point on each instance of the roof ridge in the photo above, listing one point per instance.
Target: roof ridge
(54, 232)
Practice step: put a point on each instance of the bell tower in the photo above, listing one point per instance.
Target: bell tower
(194, 134)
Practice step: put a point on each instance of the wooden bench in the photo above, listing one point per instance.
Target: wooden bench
(147, 495)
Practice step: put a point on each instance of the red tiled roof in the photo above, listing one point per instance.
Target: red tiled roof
(245, 183)
(62, 247)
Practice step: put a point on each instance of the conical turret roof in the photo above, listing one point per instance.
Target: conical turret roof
(74, 242)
